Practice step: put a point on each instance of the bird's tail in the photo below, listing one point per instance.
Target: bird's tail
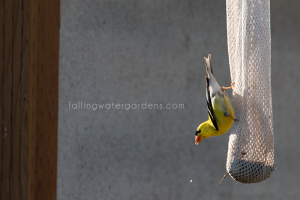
(209, 71)
(211, 81)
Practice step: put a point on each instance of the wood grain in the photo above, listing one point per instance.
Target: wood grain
(29, 56)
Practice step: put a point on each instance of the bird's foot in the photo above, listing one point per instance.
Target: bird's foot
(229, 115)
(226, 88)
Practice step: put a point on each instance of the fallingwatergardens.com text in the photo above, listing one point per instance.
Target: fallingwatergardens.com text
(124, 106)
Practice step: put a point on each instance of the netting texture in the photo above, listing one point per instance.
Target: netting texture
(250, 157)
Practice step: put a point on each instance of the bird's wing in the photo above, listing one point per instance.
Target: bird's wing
(209, 105)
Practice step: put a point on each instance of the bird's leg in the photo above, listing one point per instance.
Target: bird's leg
(229, 115)
(226, 88)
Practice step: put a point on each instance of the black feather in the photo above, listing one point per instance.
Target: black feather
(209, 105)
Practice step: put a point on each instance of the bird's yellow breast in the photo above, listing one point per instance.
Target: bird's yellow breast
(222, 104)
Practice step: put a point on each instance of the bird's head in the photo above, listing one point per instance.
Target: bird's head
(203, 131)
(198, 137)
(198, 134)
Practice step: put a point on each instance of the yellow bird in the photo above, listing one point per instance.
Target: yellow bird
(220, 112)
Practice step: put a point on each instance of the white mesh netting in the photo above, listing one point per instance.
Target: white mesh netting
(250, 157)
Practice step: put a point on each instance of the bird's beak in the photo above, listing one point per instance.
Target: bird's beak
(198, 139)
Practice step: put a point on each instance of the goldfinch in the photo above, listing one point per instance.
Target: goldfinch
(220, 112)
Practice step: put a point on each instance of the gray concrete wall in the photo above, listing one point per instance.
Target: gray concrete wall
(152, 51)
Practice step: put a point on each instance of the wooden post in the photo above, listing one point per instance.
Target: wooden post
(29, 54)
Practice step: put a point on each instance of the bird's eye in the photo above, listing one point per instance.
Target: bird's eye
(199, 131)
